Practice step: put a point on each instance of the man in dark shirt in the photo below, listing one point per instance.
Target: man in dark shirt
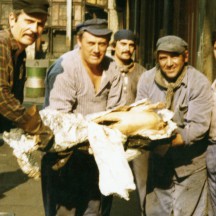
(26, 23)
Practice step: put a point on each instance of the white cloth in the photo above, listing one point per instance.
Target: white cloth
(115, 174)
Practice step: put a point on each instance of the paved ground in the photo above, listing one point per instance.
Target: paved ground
(22, 196)
(18, 193)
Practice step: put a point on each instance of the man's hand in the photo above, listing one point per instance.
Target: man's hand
(31, 121)
(177, 141)
(161, 147)
(32, 124)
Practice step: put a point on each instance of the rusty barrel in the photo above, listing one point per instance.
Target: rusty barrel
(36, 73)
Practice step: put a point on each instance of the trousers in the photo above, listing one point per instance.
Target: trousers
(73, 189)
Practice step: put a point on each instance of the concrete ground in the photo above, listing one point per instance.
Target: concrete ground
(21, 195)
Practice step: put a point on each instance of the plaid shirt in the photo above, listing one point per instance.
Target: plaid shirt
(12, 79)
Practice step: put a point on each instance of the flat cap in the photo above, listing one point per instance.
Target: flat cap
(98, 27)
(171, 43)
(124, 34)
(31, 6)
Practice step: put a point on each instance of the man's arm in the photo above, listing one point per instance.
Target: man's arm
(196, 120)
(60, 91)
(143, 86)
(10, 107)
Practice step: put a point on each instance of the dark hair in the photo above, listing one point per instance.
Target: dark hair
(80, 34)
(113, 44)
(17, 13)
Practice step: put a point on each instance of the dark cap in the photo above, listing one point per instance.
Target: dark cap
(98, 27)
(31, 6)
(171, 43)
(124, 34)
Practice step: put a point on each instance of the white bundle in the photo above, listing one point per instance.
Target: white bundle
(23, 146)
(115, 174)
(69, 128)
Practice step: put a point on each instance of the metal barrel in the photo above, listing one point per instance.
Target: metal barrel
(36, 73)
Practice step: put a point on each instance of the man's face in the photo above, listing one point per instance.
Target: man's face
(27, 28)
(124, 49)
(214, 49)
(171, 64)
(93, 48)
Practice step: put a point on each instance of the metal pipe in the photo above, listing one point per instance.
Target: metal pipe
(135, 15)
(69, 24)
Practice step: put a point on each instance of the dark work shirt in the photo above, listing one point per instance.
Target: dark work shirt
(12, 79)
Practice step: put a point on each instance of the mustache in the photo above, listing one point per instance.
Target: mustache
(33, 35)
(126, 52)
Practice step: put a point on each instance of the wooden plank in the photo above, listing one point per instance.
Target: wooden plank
(91, 1)
(102, 2)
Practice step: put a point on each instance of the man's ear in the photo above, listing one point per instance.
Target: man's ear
(78, 41)
(186, 55)
(134, 47)
(12, 19)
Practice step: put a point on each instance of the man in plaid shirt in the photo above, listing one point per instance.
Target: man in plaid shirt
(26, 24)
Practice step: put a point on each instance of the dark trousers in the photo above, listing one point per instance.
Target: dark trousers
(140, 171)
(73, 189)
(106, 204)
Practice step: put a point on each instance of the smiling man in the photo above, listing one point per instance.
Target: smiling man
(177, 181)
(26, 23)
(84, 81)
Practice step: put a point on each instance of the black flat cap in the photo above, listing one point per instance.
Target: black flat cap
(171, 43)
(98, 27)
(124, 34)
(31, 6)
